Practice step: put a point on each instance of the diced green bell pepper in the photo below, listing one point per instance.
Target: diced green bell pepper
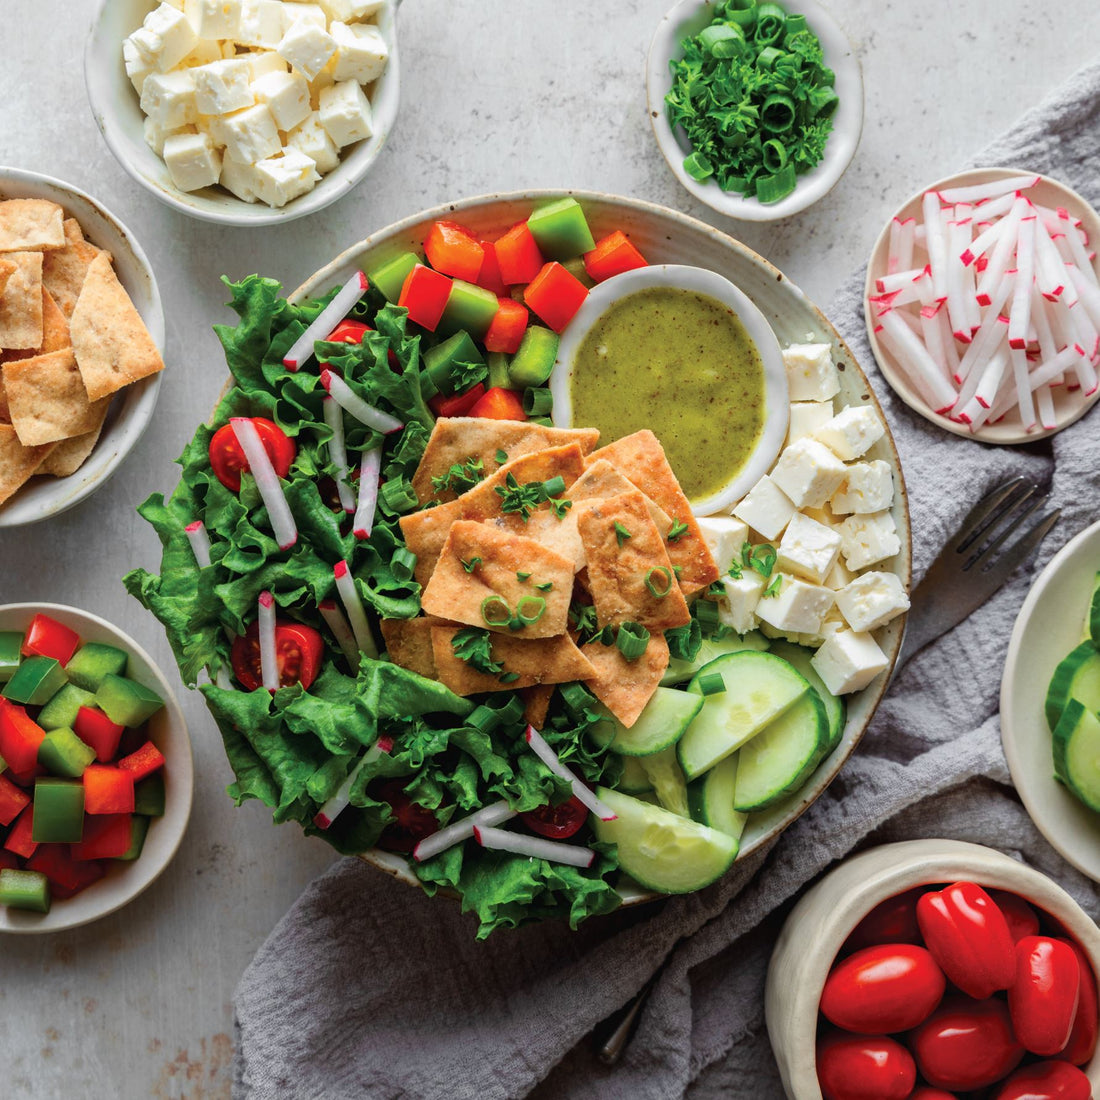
(36, 681)
(126, 701)
(62, 707)
(11, 643)
(25, 890)
(63, 753)
(440, 362)
(139, 827)
(561, 230)
(94, 660)
(149, 795)
(58, 811)
(469, 307)
(498, 371)
(575, 267)
(533, 362)
(390, 276)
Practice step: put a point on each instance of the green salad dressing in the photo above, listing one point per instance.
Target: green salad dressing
(681, 364)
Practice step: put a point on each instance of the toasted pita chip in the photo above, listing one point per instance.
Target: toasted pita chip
(17, 463)
(21, 303)
(456, 440)
(537, 661)
(479, 561)
(5, 412)
(55, 325)
(623, 547)
(31, 225)
(641, 458)
(64, 269)
(70, 454)
(409, 644)
(112, 345)
(623, 686)
(7, 270)
(536, 704)
(47, 401)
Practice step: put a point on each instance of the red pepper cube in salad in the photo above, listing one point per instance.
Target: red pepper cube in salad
(500, 404)
(555, 295)
(13, 800)
(453, 250)
(47, 637)
(20, 738)
(518, 255)
(144, 761)
(66, 876)
(94, 728)
(106, 837)
(424, 294)
(458, 404)
(108, 789)
(489, 276)
(612, 255)
(561, 229)
(21, 840)
(509, 323)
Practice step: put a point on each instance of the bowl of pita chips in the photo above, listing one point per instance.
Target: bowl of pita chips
(81, 338)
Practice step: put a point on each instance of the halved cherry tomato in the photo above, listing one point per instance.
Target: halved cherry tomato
(348, 332)
(227, 459)
(413, 822)
(864, 1067)
(457, 404)
(1022, 920)
(1043, 1000)
(1046, 1081)
(966, 1044)
(298, 650)
(1082, 1039)
(891, 921)
(556, 822)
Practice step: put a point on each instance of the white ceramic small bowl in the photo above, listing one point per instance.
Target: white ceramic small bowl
(688, 18)
(132, 408)
(118, 114)
(821, 921)
(168, 731)
(710, 283)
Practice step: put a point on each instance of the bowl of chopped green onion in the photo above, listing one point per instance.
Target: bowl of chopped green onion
(756, 106)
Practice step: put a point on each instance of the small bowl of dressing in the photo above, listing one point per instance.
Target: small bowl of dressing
(681, 351)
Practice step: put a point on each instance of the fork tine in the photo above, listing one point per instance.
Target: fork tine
(1023, 547)
(1014, 521)
(988, 510)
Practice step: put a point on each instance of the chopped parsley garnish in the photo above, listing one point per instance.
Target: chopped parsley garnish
(501, 457)
(773, 588)
(621, 533)
(521, 577)
(677, 529)
(475, 647)
(560, 507)
(736, 570)
(471, 564)
(524, 499)
(460, 478)
(761, 559)
(545, 586)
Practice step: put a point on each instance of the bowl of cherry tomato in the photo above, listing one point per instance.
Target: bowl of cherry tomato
(934, 969)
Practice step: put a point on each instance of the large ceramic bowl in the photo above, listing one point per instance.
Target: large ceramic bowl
(821, 921)
(120, 119)
(664, 236)
(132, 408)
(168, 731)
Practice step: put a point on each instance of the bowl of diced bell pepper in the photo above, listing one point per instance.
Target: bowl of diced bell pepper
(96, 773)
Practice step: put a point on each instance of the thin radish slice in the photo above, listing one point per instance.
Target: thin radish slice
(1001, 256)
(370, 467)
(353, 606)
(267, 481)
(200, 542)
(1088, 293)
(914, 354)
(551, 850)
(990, 382)
(269, 661)
(1023, 389)
(993, 190)
(1019, 313)
(1041, 375)
(336, 805)
(956, 306)
(334, 617)
(334, 418)
(991, 332)
(899, 280)
(458, 831)
(340, 306)
(935, 243)
(547, 755)
(351, 402)
(1044, 404)
(222, 679)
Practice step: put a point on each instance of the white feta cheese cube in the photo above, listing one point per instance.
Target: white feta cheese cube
(249, 135)
(311, 138)
(311, 13)
(809, 548)
(346, 11)
(806, 417)
(808, 472)
(261, 62)
(823, 514)
(867, 487)
(345, 113)
(239, 178)
(848, 661)
(306, 47)
(737, 608)
(138, 65)
(261, 23)
(280, 179)
(155, 135)
(811, 373)
(871, 600)
(851, 432)
(724, 537)
(166, 36)
(766, 508)
(214, 18)
(169, 99)
(223, 87)
(361, 52)
(839, 575)
(206, 50)
(868, 539)
(286, 96)
(794, 607)
(193, 160)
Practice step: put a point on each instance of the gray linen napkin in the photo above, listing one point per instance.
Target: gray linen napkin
(369, 989)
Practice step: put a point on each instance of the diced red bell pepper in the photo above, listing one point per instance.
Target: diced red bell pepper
(424, 294)
(1043, 1000)
(67, 876)
(108, 790)
(518, 255)
(47, 637)
(105, 837)
(452, 249)
(612, 256)
(26, 779)
(968, 936)
(20, 737)
(507, 327)
(500, 404)
(19, 839)
(94, 728)
(489, 275)
(555, 295)
(1082, 1039)
(457, 404)
(12, 800)
(143, 762)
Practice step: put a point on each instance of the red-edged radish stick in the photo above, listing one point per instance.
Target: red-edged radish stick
(899, 255)
(494, 814)
(984, 241)
(1019, 311)
(993, 336)
(988, 209)
(978, 192)
(990, 381)
(351, 402)
(933, 332)
(953, 271)
(899, 280)
(1023, 389)
(1088, 336)
(915, 362)
(1000, 259)
(200, 542)
(935, 243)
(1044, 405)
(334, 617)
(1050, 270)
(534, 846)
(1072, 241)
(1088, 292)
(353, 607)
(336, 805)
(547, 755)
(370, 467)
(337, 451)
(989, 333)
(1043, 334)
(1041, 375)
(269, 660)
(267, 481)
(340, 306)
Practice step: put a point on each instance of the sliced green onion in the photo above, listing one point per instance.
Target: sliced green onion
(545, 586)
(678, 570)
(767, 57)
(796, 24)
(621, 533)
(530, 609)
(677, 529)
(538, 401)
(711, 683)
(495, 611)
(398, 496)
(577, 699)
(740, 184)
(722, 40)
(823, 102)
(775, 154)
(741, 12)
(656, 590)
(632, 640)
(512, 711)
(403, 563)
(542, 421)
(698, 167)
(471, 564)
(778, 186)
(554, 486)
(606, 636)
(509, 678)
(707, 614)
(777, 113)
(484, 718)
(771, 20)
(521, 577)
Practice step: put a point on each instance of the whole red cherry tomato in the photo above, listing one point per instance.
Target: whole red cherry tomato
(966, 1044)
(1082, 1039)
(298, 651)
(968, 936)
(557, 822)
(1046, 1081)
(1022, 920)
(227, 459)
(864, 1067)
(882, 989)
(1043, 1000)
(926, 1092)
(412, 822)
(891, 921)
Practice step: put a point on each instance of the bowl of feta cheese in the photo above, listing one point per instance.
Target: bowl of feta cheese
(244, 112)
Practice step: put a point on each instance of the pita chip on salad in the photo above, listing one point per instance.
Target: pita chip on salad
(409, 643)
(623, 686)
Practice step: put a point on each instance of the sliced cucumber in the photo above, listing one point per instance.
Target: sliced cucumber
(660, 850)
(759, 688)
(710, 798)
(1092, 622)
(1077, 752)
(667, 780)
(679, 671)
(835, 707)
(1076, 677)
(662, 722)
(634, 779)
(780, 757)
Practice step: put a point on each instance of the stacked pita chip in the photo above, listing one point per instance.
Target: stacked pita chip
(70, 338)
(480, 565)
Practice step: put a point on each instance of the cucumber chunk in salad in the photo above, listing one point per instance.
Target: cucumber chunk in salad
(1077, 752)
(710, 799)
(661, 724)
